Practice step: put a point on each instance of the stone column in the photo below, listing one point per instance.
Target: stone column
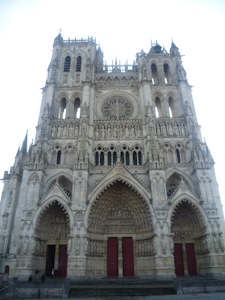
(120, 258)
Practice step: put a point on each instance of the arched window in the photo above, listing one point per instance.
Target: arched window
(122, 157)
(183, 157)
(139, 158)
(171, 107)
(167, 74)
(109, 159)
(127, 158)
(155, 79)
(78, 66)
(58, 157)
(67, 64)
(178, 155)
(101, 159)
(96, 158)
(114, 157)
(135, 158)
(62, 109)
(158, 108)
(77, 108)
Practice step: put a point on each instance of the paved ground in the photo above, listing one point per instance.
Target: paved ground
(214, 296)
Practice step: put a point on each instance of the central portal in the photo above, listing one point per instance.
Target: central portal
(112, 257)
(117, 217)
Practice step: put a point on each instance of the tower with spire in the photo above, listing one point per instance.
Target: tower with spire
(118, 181)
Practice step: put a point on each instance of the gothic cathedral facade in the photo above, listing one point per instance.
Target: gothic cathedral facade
(118, 181)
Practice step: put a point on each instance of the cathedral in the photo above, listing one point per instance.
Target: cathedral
(118, 181)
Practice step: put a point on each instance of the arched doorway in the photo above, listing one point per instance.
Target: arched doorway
(187, 229)
(120, 233)
(53, 229)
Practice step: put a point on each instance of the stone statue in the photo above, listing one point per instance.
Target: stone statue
(139, 131)
(176, 131)
(182, 130)
(132, 131)
(163, 127)
(76, 130)
(221, 241)
(96, 133)
(33, 247)
(103, 132)
(163, 245)
(85, 246)
(109, 132)
(170, 129)
(158, 129)
(171, 245)
(19, 245)
(25, 244)
(215, 243)
(77, 244)
(10, 198)
(127, 132)
(69, 245)
(53, 131)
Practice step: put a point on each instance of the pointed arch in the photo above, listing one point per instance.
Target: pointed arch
(47, 204)
(118, 173)
(50, 180)
(181, 174)
(196, 208)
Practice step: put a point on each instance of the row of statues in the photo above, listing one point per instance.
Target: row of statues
(145, 247)
(204, 244)
(113, 131)
(95, 248)
(170, 129)
(65, 130)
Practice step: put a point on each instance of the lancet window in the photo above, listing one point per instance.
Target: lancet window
(155, 79)
(171, 107)
(67, 64)
(137, 156)
(167, 77)
(62, 108)
(99, 156)
(77, 108)
(125, 157)
(78, 66)
(112, 156)
(158, 108)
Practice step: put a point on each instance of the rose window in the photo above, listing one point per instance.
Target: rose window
(117, 109)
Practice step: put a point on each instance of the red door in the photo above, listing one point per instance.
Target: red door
(128, 259)
(112, 257)
(50, 260)
(178, 260)
(191, 262)
(62, 261)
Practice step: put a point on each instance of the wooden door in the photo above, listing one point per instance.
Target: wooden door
(178, 260)
(112, 257)
(50, 260)
(128, 258)
(62, 261)
(191, 261)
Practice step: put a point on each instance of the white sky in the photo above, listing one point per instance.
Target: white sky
(28, 28)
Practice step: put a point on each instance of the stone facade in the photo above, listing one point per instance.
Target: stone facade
(118, 153)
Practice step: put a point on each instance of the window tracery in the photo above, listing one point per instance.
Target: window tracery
(117, 108)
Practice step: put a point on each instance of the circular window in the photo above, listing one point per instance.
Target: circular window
(117, 109)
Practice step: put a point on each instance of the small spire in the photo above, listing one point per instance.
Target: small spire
(18, 151)
(24, 145)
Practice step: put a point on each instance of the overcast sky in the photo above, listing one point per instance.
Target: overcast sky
(28, 28)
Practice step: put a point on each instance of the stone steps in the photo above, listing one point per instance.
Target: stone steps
(103, 288)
